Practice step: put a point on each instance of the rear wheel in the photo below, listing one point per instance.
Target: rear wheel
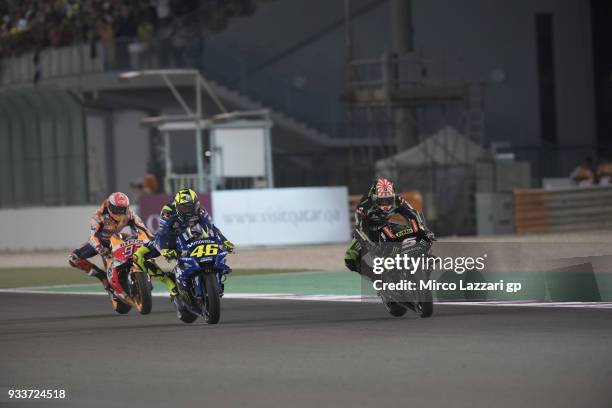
(185, 315)
(142, 295)
(182, 312)
(212, 305)
(120, 307)
(395, 309)
(425, 309)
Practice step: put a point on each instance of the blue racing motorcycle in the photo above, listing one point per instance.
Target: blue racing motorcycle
(199, 275)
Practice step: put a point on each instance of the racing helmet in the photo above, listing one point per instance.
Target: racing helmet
(384, 195)
(186, 203)
(118, 204)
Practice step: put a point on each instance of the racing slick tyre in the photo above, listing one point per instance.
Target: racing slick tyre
(120, 307)
(186, 316)
(425, 309)
(182, 312)
(212, 304)
(395, 309)
(425, 306)
(142, 295)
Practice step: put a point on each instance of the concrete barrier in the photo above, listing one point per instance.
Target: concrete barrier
(44, 228)
(563, 209)
(283, 216)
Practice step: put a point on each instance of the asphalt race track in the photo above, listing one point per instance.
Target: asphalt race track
(305, 353)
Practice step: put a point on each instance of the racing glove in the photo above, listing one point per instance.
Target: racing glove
(228, 246)
(169, 254)
(426, 235)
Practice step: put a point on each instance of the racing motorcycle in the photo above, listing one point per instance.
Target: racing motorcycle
(401, 239)
(199, 275)
(135, 283)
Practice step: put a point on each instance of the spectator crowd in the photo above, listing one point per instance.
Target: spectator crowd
(28, 25)
(590, 173)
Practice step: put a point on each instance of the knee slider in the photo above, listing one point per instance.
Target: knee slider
(73, 259)
(351, 265)
(83, 264)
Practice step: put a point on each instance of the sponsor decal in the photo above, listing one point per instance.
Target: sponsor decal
(404, 232)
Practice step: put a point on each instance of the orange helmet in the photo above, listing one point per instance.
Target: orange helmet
(118, 204)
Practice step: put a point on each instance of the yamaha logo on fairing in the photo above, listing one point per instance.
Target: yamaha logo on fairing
(199, 242)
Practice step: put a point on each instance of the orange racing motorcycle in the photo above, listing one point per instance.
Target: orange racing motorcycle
(135, 284)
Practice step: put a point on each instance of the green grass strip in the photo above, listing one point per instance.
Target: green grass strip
(32, 277)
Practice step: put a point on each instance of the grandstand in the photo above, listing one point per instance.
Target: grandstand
(339, 97)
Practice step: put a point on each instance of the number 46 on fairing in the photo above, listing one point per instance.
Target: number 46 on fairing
(205, 250)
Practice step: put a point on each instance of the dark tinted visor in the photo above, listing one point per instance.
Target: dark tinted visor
(186, 208)
(385, 201)
(117, 210)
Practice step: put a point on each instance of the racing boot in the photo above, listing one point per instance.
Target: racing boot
(181, 287)
(352, 257)
(169, 282)
(90, 269)
(107, 286)
(101, 275)
(183, 313)
(156, 272)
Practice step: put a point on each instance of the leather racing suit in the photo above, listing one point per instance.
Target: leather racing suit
(164, 242)
(102, 227)
(370, 220)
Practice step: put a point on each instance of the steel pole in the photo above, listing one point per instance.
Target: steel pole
(198, 135)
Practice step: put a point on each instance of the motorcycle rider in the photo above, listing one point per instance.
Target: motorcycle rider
(182, 212)
(113, 216)
(372, 214)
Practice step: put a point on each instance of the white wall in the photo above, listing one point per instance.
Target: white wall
(44, 228)
(283, 216)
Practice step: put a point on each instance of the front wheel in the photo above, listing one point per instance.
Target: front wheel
(142, 295)
(212, 304)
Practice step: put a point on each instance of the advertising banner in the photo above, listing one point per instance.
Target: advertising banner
(150, 206)
(283, 216)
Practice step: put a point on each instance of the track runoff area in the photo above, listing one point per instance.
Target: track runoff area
(322, 337)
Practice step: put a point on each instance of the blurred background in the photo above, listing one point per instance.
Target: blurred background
(492, 116)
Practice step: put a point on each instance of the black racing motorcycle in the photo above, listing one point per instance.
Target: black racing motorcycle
(397, 239)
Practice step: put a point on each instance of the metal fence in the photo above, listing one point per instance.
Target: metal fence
(43, 159)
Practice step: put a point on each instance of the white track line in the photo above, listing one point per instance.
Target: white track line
(338, 298)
